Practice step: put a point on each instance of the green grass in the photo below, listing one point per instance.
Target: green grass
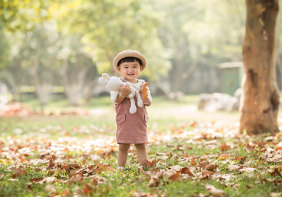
(27, 141)
(126, 183)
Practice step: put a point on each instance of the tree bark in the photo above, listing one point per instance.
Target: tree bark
(260, 100)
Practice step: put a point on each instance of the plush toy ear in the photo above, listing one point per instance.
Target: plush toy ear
(104, 79)
(106, 76)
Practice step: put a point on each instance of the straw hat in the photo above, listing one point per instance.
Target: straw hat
(129, 53)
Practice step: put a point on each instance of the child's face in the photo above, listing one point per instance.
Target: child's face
(130, 71)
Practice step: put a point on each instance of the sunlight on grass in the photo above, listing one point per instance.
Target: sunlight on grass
(189, 152)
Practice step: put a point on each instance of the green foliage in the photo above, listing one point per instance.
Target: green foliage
(111, 26)
(23, 15)
(217, 26)
(182, 40)
(4, 48)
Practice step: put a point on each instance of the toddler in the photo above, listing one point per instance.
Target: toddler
(131, 128)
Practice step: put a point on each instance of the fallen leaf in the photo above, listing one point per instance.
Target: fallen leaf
(19, 172)
(176, 168)
(23, 160)
(263, 180)
(47, 180)
(139, 194)
(206, 175)
(175, 176)
(241, 160)
(221, 177)
(216, 192)
(275, 172)
(150, 163)
(211, 167)
(36, 179)
(250, 145)
(248, 170)
(193, 123)
(87, 189)
(29, 186)
(66, 193)
(233, 167)
(76, 178)
(50, 189)
(222, 157)
(224, 147)
(203, 164)
(155, 178)
(186, 170)
(275, 194)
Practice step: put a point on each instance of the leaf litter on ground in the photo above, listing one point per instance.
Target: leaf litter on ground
(226, 157)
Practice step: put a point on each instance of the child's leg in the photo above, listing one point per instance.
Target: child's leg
(141, 153)
(122, 154)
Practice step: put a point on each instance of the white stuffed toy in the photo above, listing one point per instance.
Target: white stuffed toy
(114, 83)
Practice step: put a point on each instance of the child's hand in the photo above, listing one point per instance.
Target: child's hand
(125, 90)
(146, 101)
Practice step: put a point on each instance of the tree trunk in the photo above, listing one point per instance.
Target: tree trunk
(260, 101)
(279, 69)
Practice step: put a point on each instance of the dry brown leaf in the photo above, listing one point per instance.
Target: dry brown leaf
(222, 157)
(186, 170)
(151, 163)
(155, 179)
(103, 167)
(19, 172)
(206, 175)
(175, 176)
(203, 164)
(276, 194)
(176, 168)
(139, 194)
(233, 167)
(50, 189)
(250, 145)
(47, 180)
(263, 180)
(247, 170)
(87, 189)
(275, 172)
(224, 147)
(222, 177)
(76, 178)
(211, 167)
(193, 123)
(143, 194)
(276, 158)
(36, 179)
(51, 164)
(241, 160)
(216, 192)
(66, 193)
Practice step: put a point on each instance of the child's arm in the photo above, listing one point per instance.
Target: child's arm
(124, 92)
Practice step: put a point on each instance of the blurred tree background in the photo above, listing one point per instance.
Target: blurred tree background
(56, 48)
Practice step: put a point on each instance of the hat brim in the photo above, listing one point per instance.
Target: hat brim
(129, 53)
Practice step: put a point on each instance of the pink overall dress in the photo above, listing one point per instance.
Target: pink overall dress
(131, 128)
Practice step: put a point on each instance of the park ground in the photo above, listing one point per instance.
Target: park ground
(72, 152)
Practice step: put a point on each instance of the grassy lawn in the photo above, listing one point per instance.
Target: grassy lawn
(191, 153)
